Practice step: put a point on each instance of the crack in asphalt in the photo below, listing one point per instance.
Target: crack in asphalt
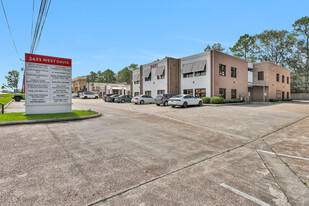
(197, 162)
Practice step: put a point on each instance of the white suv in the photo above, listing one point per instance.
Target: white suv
(89, 95)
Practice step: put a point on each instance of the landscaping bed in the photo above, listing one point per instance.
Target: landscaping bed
(19, 116)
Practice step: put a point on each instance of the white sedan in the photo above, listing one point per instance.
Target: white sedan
(89, 95)
(184, 100)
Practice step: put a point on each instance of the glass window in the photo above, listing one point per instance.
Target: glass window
(200, 93)
(287, 80)
(136, 82)
(283, 95)
(233, 93)
(260, 75)
(201, 73)
(288, 95)
(222, 71)
(283, 78)
(222, 92)
(148, 78)
(188, 91)
(148, 93)
(233, 72)
(160, 91)
(161, 76)
(136, 94)
(188, 75)
(278, 77)
(278, 94)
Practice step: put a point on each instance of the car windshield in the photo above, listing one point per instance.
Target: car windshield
(121, 96)
(159, 95)
(179, 95)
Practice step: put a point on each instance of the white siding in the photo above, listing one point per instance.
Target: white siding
(136, 87)
(155, 84)
(198, 82)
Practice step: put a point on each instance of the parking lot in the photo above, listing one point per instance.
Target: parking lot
(150, 155)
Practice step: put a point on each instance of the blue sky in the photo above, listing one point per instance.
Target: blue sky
(103, 34)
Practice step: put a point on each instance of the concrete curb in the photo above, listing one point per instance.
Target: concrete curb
(8, 104)
(50, 120)
(227, 104)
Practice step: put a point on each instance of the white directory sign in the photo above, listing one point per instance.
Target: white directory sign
(48, 82)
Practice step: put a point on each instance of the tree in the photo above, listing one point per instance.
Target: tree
(300, 58)
(133, 66)
(3, 86)
(100, 78)
(12, 79)
(276, 46)
(124, 75)
(91, 78)
(246, 48)
(109, 76)
(215, 46)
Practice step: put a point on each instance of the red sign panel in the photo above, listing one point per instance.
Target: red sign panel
(34, 58)
(153, 66)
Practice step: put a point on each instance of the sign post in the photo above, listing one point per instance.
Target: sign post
(48, 84)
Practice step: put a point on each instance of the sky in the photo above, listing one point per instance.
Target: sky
(104, 34)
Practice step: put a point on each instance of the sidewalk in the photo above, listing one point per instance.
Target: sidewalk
(15, 107)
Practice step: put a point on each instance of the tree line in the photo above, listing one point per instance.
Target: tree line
(289, 49)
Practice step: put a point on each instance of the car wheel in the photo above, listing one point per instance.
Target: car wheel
(158, 105)
(165, 103)
(173, 106)
(142, 102)
(200, 103)
(17, 99)
(96, 97)
(185, 105)
(122, 101)
(85, 97)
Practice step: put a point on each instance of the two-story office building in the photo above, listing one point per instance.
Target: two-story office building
(213, 74)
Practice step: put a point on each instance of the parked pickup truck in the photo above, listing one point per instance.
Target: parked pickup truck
(18, 97)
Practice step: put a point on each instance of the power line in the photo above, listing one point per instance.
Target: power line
(9, 28)
(32, 18)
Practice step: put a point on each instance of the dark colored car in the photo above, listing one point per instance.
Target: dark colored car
(106, 95)
(163, 99)
(123, 98)
(18, 97)
(112, 98)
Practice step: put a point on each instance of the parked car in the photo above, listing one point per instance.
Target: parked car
(106, 95)
(162, 99)
(123, 98)
(74, 95)
(18, 96)
(142, 99)
(112, 98)
(184, 100)
(89, 95)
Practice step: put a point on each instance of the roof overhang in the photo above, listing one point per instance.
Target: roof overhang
(250, 84)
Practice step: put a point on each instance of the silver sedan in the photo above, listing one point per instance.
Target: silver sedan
(184, 100)
(142, 99)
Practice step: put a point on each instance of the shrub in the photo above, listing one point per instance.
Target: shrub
(216, 100)
(274, 100)
(206, 100)
(226, 101)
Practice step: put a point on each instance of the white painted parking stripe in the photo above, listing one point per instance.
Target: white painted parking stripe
(253, 199)
(284, 155)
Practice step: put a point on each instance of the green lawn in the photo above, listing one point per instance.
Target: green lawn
(7, 95)
(5, 100)
(19, 116)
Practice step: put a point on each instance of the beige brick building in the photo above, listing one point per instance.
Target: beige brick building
(213, 74)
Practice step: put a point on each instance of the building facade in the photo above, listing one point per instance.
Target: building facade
(210, 74)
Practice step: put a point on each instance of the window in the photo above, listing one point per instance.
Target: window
(233, 72)
(233, 93)
(278, 94)
(136, 94)
(160, 91)
(282, 95)
(278, 77)
(283, 78)
(201, 73)
(288, 95)
(200, 93)
(148, 93)
(222, 92)
(287, 80)
(222, 70)
(162, 76)
(148, 78)
(188, 91)
(136, 82)
(260, 75)
(188, 75)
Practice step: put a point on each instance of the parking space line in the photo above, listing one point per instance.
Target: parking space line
(253, 199)
(283, 155)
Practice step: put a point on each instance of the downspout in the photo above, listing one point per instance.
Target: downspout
(212, 72)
